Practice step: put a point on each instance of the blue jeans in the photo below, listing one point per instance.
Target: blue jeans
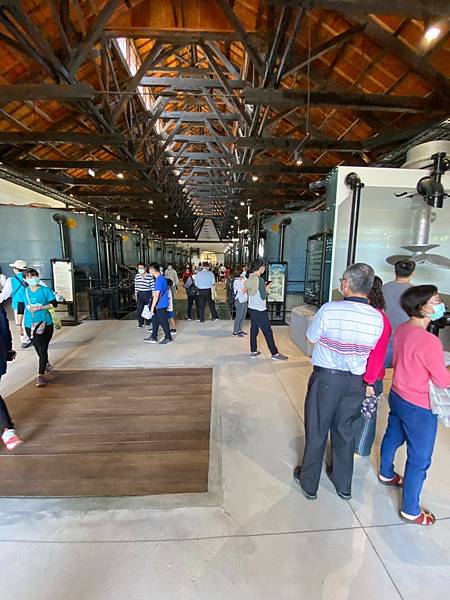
(364, 442)
(417, 427)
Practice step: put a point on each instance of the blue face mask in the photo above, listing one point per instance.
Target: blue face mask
(439, 311)
(33, 281)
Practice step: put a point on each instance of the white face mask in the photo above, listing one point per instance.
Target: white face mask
(141, 271)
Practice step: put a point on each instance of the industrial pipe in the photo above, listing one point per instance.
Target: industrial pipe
(355, 184)
(97, 248)
(61, 220)
(284, 223)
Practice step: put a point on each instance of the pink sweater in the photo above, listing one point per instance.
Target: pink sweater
(375, 363)
(418, 358)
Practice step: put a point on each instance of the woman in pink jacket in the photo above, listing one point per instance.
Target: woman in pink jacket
(418, 359)
(374, 374)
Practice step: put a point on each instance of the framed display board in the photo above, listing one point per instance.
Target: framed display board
(63, 281)
(64, 287)
(277, 273)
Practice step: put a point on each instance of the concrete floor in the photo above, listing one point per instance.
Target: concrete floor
(254, 536)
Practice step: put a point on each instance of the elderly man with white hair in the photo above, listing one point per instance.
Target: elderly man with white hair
(344, 333)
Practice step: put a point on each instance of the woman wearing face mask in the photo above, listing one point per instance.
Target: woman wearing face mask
(418, 359)
(33, 313)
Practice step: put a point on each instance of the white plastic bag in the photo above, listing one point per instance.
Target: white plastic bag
(146, 314)
(440, 399)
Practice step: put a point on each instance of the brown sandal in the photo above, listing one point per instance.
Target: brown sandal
(396, 481)
(425, 518)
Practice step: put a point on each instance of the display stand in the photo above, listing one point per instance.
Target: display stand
(277, 273)
(63, 284)
(318, 268)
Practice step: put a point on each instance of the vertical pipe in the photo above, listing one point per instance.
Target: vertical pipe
(356, 185)
(97, 248)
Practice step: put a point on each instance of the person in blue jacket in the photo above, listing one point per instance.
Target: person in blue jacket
(12, 289)
(34, 316)
(7, 431)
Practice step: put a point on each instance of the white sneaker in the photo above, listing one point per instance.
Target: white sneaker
(11, 439)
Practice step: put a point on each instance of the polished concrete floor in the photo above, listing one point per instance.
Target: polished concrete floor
(253, 536)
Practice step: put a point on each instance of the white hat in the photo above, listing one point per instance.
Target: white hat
(19, 264)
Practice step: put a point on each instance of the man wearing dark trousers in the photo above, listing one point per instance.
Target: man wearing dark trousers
(144, 284)
(344, 333)
(204, 282)
(257, 307)
(160, 304)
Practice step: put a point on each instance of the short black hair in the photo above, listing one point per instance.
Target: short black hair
(154, 265)
(257, 264)
(415, 297)
(141, 264)
(169, 282)
(404, 268)
(31, 273)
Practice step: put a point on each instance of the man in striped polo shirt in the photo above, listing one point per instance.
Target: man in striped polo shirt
(144, 286)
(344, 333)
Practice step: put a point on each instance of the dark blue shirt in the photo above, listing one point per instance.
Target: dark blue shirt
(162, 287)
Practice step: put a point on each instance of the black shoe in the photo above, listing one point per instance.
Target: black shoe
(165, 341)
(297, 471)
(342, 495)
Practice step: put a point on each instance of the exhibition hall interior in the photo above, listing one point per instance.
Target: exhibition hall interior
(225, 299)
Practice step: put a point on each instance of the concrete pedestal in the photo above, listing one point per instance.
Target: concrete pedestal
(301, 317)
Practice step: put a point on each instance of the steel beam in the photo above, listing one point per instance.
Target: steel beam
(190, 83)
(291, 98)
(185, 36)
(414, 8)
(42, 91)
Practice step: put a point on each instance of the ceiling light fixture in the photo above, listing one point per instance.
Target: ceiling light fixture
(38, 180)
(120, 175)
(255, 177)
(298, 158)
(242, 203)
(150, 201)
(432, 33)
(166, 216)
(91, 172)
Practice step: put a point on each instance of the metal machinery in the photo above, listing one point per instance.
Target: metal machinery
(318, 268)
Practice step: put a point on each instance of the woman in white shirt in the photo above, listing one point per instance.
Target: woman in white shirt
(240, 302)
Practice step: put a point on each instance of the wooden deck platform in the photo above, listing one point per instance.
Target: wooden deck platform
(118, 432)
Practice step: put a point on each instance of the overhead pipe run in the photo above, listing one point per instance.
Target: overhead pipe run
(354, 182)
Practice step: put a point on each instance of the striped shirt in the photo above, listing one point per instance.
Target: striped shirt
(144, 283)
(238, 288)
(344, 333)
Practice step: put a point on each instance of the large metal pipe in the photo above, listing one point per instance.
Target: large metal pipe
(61, 220)
(97, 248)
(355, 184)
(284, 223)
